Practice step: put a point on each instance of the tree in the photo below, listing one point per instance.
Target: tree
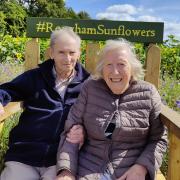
(71, 14)
(56, 8)
(44, 8)
(83, 15)
(13, 17)
(13, 13)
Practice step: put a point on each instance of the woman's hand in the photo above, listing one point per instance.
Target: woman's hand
(136, 172)
(65, 175)
(76, 135)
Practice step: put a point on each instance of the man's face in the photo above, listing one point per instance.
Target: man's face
(65, 53)
(117, 70)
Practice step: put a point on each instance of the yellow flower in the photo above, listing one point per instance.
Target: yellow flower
(18, 55)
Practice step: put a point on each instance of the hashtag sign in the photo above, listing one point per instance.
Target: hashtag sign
(41, 26)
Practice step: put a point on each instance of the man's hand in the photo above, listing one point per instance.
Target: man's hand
(76, 135)
(1, 109)
(136, 172)
(65, 175)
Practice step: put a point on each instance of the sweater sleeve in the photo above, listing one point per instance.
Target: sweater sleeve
(152, 155)
(16, 90)
(67, 156)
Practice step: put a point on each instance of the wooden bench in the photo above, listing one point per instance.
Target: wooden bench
(169, 117)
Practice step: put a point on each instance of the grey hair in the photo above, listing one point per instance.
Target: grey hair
(118, 44)
(64, 32)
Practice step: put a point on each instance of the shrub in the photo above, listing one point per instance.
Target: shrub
(12, 49)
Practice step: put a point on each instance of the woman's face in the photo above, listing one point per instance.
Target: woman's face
(117, 70)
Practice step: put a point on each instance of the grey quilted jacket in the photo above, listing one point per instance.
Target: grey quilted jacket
(139, 136)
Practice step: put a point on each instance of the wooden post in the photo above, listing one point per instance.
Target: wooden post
(32, 54)
(91, 56)
(172, 120)
(153, 62)
(174, 157)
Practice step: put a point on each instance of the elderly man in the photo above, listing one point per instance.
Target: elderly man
(47, 93)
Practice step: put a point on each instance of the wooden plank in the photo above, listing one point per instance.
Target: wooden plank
(10, 109)
(32, 54)
(174, 157)
(171, 119)
(153, 62)
(160, 176)
(91, 56)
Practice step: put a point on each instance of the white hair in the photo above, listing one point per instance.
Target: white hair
(62, 33)
(118, 44)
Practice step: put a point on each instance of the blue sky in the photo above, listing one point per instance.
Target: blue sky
(167, 11)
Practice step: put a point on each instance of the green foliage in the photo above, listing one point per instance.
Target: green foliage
(40, 8)
(13, 13)
(13, 17)
(170, 92)
(4, 136)
(44, 44)
(71, 14)
(2, 22)
(141, 53)
(12, 49)
(170, 57)
(83, 15)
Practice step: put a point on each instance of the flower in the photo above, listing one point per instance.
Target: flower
(178, 103)
(18, 55)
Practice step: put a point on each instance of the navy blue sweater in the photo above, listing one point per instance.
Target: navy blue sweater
(34, 141)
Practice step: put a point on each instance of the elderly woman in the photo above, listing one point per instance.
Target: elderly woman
(125, 138)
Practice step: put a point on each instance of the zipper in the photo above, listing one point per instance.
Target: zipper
(106, 166)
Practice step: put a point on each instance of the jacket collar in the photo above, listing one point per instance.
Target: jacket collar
(81, 74)
(49, 75)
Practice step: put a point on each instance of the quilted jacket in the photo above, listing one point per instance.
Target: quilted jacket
(139, 136)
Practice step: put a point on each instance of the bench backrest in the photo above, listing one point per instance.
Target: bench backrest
(152, 64)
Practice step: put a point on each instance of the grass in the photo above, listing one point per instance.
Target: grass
(10, 70)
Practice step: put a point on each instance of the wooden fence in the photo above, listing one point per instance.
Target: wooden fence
(153, 60)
